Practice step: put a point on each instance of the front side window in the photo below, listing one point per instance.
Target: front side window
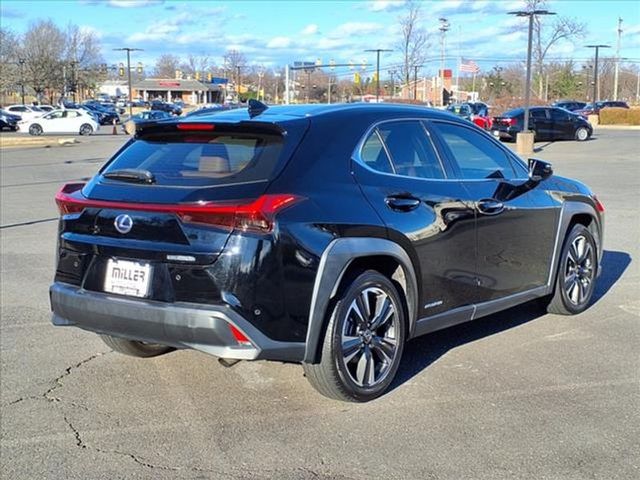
(410, 149)
(538, 113)
(477, 157)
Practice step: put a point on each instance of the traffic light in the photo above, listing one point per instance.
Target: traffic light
(198, 76)
(356, 78)
(103, 68)
(375, 77)
(121, 70)
(209, 77)
(139, 69)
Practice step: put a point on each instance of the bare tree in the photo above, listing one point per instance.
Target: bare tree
(234, 62)
(9, 70)
(196, 63)
(43, 51)
(166, 66)
(82, 58)
(414, 41)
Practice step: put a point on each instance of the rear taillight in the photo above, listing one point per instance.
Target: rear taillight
(599, 205)
(258, 215)
(65, 202)
(196, 127)
(512, 122)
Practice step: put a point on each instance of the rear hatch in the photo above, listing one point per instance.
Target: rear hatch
(172, 196)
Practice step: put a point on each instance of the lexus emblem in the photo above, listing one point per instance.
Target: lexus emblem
(123, 223)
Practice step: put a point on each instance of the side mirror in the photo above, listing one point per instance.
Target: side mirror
(539, 170)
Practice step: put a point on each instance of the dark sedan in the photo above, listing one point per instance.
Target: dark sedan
(166, 107)
(147, 116)
(9, 120)
(548, 123)
(105, 116)
(594, 108)
(571, 105)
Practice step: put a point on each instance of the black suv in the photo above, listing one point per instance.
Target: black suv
(323, 235)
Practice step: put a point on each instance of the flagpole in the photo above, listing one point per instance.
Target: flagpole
(458, 80)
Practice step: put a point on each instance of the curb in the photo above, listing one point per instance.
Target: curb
(36, 142)
(617, 127)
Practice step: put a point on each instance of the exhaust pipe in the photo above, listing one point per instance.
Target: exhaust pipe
(227, 362)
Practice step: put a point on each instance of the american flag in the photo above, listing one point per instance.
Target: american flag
(469, 66)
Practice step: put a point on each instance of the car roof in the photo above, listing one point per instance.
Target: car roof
(283, 113)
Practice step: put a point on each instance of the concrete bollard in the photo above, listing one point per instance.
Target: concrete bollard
(524, 143)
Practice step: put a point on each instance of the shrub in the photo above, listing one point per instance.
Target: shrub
(620, 116)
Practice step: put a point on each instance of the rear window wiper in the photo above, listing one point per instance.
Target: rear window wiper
(131, 175)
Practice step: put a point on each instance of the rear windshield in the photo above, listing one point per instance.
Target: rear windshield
(513, 113)
(202, 159)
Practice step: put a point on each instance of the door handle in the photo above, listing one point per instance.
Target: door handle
(489, 206)
(402, 204)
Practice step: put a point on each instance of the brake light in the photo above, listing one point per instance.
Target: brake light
(200, 127)
(512, 122)
(65, 205)
(239, 336)
(599, 205)
(257, 216)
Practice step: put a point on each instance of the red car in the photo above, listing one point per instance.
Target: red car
(475, 112)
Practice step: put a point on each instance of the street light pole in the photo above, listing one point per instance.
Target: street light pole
(527, 94)
(596, 86)
(444, 27)
(21, 62)
(378, 50)
(129, 50)
(617, 70)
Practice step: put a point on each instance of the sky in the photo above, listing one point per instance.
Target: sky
(276, 32)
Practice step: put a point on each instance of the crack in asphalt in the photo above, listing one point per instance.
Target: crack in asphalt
(57, 382)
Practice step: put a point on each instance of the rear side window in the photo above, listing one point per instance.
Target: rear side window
(202, 159)
(374, 155)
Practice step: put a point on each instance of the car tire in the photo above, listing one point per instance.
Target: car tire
(363, 343)
(582, 134)
(86, 129)
(576, 274)
(134, 348)
(35, 129)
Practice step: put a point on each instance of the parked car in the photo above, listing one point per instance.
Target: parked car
(147, 116)
(61, 121)
(9, 120)
(548, 123)
(475, 112)
(210, 109)
(105, 116)
(246, 235)
(166, 107)
(46, 108)
(27, 112)
(594, 108)
(571, 105)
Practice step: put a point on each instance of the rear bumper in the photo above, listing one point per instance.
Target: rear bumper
(181, 325)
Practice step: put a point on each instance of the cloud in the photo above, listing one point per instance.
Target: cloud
(385, 5)
(10, 13)
(310, 29)
(132, 3)
(279, 42)
(354, 28)
(163, 30)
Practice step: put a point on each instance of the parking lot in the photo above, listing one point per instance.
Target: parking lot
(517, 395)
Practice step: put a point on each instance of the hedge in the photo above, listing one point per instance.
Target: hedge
(620, 116)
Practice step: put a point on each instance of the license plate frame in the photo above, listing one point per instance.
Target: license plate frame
(128, 277)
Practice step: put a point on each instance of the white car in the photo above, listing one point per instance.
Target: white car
(27, 112)
(61, 121)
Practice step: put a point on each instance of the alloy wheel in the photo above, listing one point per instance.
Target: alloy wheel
(369, 337)
(579, 270)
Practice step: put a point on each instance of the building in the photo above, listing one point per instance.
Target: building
(189, 91)
(114, 88)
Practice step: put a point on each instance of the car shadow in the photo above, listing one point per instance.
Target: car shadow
(421, 352)
(540, 148)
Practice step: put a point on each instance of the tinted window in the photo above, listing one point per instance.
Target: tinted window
(410, 149)
(513, 113)
(476, 155)
(199, 159)
(374, 155)
(538, 113)
(559, 115)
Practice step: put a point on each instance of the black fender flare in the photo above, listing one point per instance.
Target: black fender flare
(334, 262)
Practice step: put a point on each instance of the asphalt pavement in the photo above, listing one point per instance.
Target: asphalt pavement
(517, 395)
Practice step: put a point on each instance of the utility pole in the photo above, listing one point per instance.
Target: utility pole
(21, 62)
(616, 73)
(129, 50)
(527, 92)
(378, 50)
(596, 83)
(444, 27)
(415, 81)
